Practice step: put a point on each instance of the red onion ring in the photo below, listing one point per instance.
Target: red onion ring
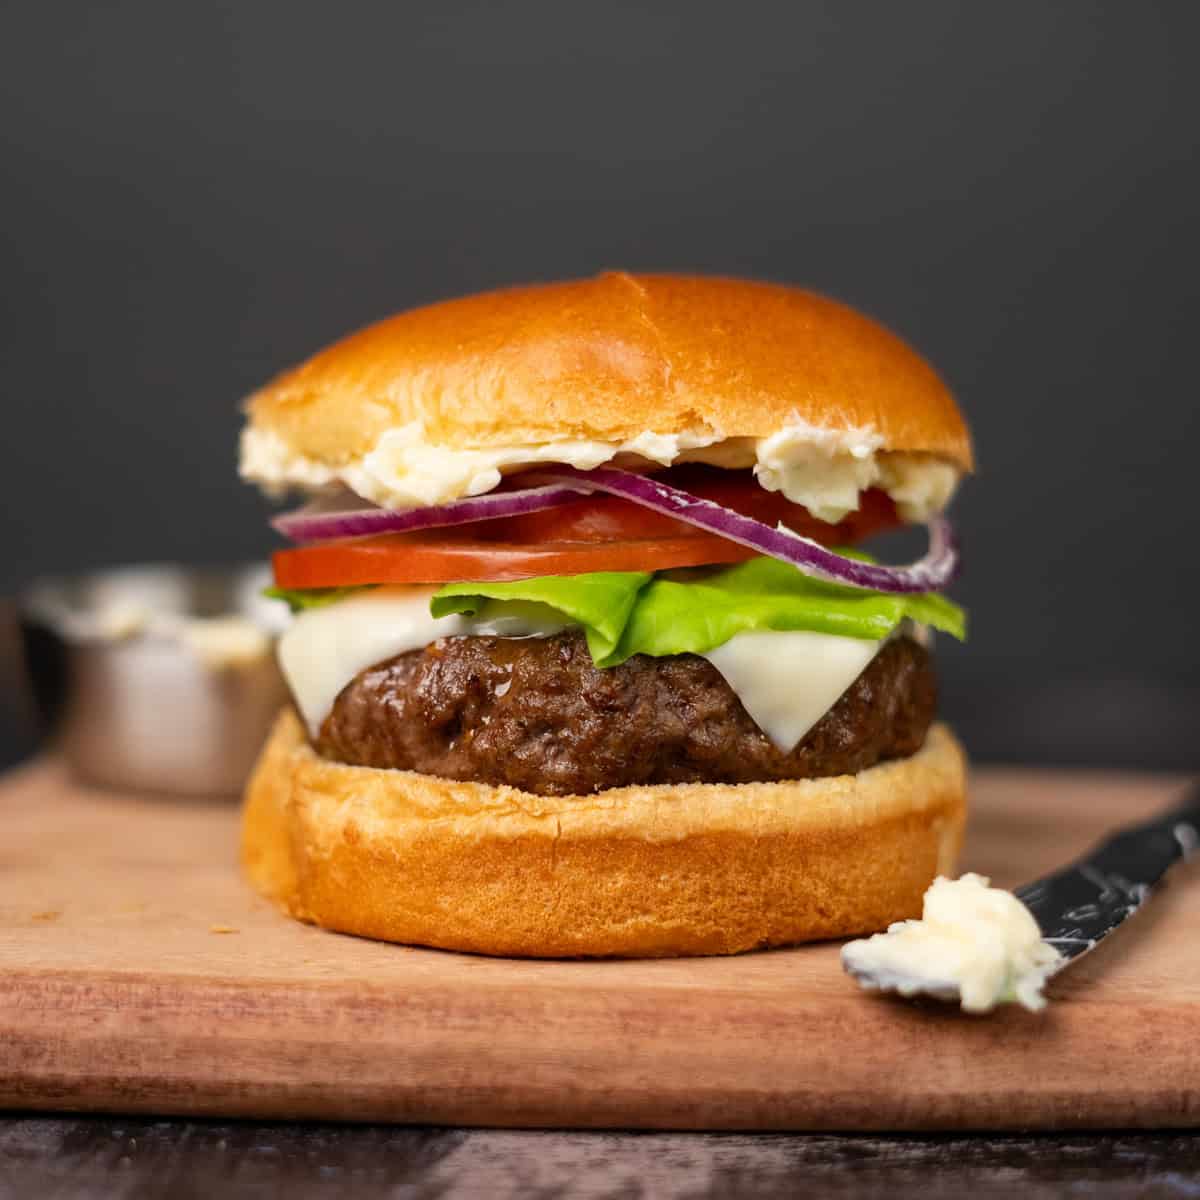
(931, 573)
(558, 485)
(318, 522)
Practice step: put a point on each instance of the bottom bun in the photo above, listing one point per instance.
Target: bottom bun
(634, 871)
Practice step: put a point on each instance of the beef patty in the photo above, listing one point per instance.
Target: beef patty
(536, 714)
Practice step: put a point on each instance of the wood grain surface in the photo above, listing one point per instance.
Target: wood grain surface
(139, 974)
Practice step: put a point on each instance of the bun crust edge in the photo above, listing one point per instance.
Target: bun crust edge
(608, 359)
(631, 872)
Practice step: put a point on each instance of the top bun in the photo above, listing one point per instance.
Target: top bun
(607, 359)
(637, 370)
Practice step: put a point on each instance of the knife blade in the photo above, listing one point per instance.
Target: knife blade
(1081, 904)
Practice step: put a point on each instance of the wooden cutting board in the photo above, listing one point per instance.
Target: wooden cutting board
(139, 974)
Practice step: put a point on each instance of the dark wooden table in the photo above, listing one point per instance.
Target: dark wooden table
(81, 1158)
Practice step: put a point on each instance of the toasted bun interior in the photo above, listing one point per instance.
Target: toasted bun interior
(609, 359)
(632, 872)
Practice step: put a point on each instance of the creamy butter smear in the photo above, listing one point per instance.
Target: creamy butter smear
(821, 469)
(219, 642)
(973, 939)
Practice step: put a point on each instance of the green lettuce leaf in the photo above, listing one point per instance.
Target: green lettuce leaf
(679, 612)
(675, 616)
(601, 602)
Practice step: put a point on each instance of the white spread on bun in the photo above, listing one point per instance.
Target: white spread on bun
(826, 472)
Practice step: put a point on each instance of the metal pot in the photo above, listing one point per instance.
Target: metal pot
(159, 678)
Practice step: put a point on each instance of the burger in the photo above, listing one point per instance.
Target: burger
(587, 658)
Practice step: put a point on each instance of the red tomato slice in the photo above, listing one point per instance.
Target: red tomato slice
(594, 533)
(444, 557)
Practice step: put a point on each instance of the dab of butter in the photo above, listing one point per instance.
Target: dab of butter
(973, 938)
(219, 642)
(223, 642)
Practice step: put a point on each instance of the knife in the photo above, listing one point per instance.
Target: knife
(1075, 908)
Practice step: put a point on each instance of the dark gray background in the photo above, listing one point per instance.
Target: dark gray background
(197, 195)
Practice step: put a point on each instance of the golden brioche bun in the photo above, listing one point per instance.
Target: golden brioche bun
(634, 872)
(609, 359)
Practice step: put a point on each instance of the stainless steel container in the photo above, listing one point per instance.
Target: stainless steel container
(158, 678)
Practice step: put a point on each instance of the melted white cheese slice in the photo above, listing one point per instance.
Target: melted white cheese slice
(325, 648)
(785, 681)
(788, 681)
